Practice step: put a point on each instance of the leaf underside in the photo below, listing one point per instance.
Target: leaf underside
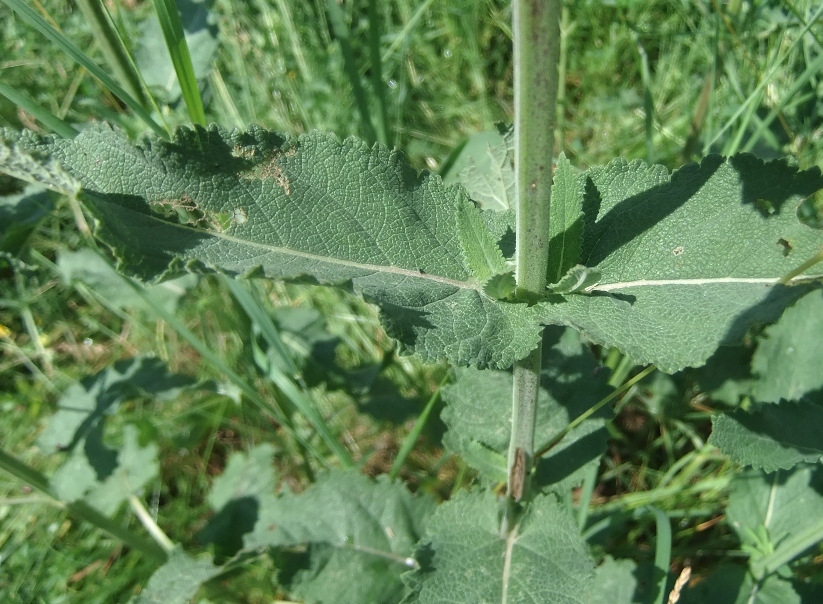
(687, 261)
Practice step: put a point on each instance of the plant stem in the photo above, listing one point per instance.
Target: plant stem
(536, 28)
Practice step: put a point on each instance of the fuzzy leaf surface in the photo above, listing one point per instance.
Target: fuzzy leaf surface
(787, 360)
(360, 535)
(465, 560)
(566, 222)
(258, 204)
(689, 261)
(772, 436)
(478, 412)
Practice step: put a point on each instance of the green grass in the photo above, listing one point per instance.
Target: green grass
(446, 69)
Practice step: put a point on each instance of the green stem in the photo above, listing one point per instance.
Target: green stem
(536, 28)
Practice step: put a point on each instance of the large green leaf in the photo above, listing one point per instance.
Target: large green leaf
(478, 413)
(359, 536)
(771, 437)
(686, 262)
(733, 585)
(787, 360)
(623, 582)
(466, 560)
(689, 262)
(256, 203)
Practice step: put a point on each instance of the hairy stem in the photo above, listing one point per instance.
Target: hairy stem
(536, 27)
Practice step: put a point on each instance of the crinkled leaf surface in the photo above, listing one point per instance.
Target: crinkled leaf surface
(772, 436)
(465, 560)
(178, 579)
(787, 361)
(361, 533)
(256, 203)
(478, 412)
(689, 261)
(733, 585)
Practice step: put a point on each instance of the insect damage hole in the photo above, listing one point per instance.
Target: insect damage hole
(787, 247)
(678, 251)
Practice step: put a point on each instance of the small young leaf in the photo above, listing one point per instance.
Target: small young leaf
(480, 250)
(465, 560)
(566, 222)
(772, 436)
(578, 278)
(787, 360)
(501, 287)
(623, 582)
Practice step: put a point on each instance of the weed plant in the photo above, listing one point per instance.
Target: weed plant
(209, 395)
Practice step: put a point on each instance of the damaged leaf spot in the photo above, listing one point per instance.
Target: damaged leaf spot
(265, 168)
(678, 251)
(787, 247)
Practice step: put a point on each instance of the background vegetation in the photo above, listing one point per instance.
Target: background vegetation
(666, 81)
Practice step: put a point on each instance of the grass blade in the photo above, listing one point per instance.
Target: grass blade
(378, 89)
(411, 438)
(662, 553)
(284, 383)
(341, 32)
(181, 58)
(114, 51)
(71, 49)
(44, 116)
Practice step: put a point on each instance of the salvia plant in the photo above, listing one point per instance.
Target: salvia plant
(509, 270)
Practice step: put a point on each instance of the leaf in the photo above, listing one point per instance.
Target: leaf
(579, 278)
(84, 405)
(733, 585)
(255, 203)
(478, 412)
(152, 56)
(771, 437)
(787, 360)
(480, 251)
(102, 476)
(88, 267)
(486, 170)
(237, 495)
(19, 216)
(688, 262)
(106, 478)
(766, 510)
(364, 531)
(466, 560)
(177, 581)
(623, 582)
(566, 222)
